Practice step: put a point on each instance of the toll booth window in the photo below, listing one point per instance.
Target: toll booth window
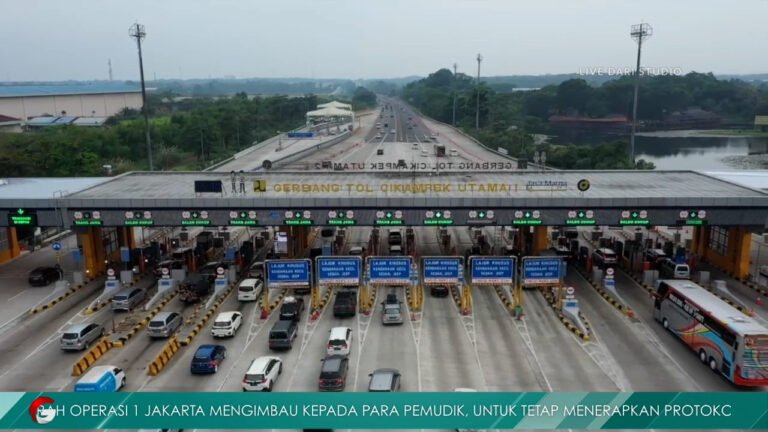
(718, 240)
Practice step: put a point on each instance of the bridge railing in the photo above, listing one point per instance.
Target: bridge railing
(300, 154)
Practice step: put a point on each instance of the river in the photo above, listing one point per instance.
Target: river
(683, 150)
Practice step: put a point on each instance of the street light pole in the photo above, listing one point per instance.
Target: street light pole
(639, 32)
(477, 111)
(454, 94)
(137, 32)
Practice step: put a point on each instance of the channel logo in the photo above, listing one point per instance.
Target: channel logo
(42, 410)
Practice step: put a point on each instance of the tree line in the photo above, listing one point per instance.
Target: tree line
(186, 134)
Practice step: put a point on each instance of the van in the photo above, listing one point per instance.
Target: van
(345, 304)
(262, 374)
(249, 290)
(395, 238)
(282, 334)
(127, 299)
(340, 341)
(669, 269)
(164, 324)
(655, 255)
(356, 251)
(604, 257)
(396, 250)
(101, 379)
(81, 336)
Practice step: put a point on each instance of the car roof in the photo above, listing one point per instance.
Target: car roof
(258, 364)
(332, 363)
(206, 349)
(226, 316)
(162, 316)
(77, 328)
(381, 379)
(606, 251)
(250, 282)
(465, 390)
(290, 299)
(339, 332)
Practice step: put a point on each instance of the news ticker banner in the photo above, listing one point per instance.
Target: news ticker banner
(454, 410)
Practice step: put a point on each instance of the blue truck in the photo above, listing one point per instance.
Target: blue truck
(101, 379)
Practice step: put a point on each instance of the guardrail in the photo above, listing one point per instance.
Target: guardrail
(254, 146)
(298, 155)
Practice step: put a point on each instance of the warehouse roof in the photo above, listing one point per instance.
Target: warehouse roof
(11, 91)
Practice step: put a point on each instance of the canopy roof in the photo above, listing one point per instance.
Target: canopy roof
(329, 112)
(335, 104)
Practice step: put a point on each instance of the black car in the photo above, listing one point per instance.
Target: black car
(439, 291)
(333, 373)
(345, 304)
(170, 265)
(292, 308)
(42, 276)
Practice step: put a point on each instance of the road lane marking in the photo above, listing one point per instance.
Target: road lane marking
(22, 292)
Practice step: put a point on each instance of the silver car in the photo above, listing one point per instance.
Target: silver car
(127, 299)
(81, 336)
(164, 324)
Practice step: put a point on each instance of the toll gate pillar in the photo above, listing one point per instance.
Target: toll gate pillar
(126, 237)
(741, 251)
(540, 241)
(90, 240)
(13, 249)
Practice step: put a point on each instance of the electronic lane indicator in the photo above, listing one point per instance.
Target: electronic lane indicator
(481, 217)
(692, 217)
(138, 218)
(634, 217)
(288, 273)
(581, 217)
(195, 218)
(389, 218)
(243, 218)
(527, 217)
(441, 270)
(389, 270)
(438, 217)
(22, 217)
(341, 218)
(87, 218)
(298, 218)
(492, 270)
(338, 270)
(542, 270)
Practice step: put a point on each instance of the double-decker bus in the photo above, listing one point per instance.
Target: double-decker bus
(725, 339)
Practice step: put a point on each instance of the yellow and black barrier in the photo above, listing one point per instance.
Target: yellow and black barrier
(276, 302)
(90, 358)
(124, 338)
(204, 319)
(621, 307)
(368, 306)
(456, 294)
(71, 290)
(169, 350)
(324, 299)
(504, 299)
(563, 319)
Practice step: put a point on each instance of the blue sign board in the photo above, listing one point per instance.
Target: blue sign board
(492, 270)
(542, 271)
(56, 246)
(287, 273)
(439, 270)
(327, 249)
(300, 134)
(390, 270)
(338, 270)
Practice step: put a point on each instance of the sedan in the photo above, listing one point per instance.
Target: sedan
(42, 276)
(439, 291)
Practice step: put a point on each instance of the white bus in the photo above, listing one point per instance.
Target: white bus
(728, 341)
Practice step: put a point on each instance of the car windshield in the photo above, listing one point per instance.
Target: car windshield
(69, 336)
(254, 377)
(289, 308)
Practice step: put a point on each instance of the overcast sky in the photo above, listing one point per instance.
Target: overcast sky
(73, 39)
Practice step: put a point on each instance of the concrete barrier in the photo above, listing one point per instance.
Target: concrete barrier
(90, 358)
(582, 333)
(186, 340)
(169, 350)
(58, 299)
(301, 154)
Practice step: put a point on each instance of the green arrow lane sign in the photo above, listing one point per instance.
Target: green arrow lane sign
(22, 217)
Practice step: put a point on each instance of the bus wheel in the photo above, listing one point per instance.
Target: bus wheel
(713, 363)
(703, 356)
(665, 323)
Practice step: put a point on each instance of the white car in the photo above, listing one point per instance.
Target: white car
(250, 289)
(262, 374)
(227, 324)
(339, 341)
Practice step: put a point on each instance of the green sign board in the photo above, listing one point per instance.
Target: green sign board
(88, 222)
(298, 222)
(390, 222)
(22, 217)
(527, 222)
(344, 222)
(634, 222)
(243, 222)
(195, 222)
(580, 222)
(438, 221)
(139, 222)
